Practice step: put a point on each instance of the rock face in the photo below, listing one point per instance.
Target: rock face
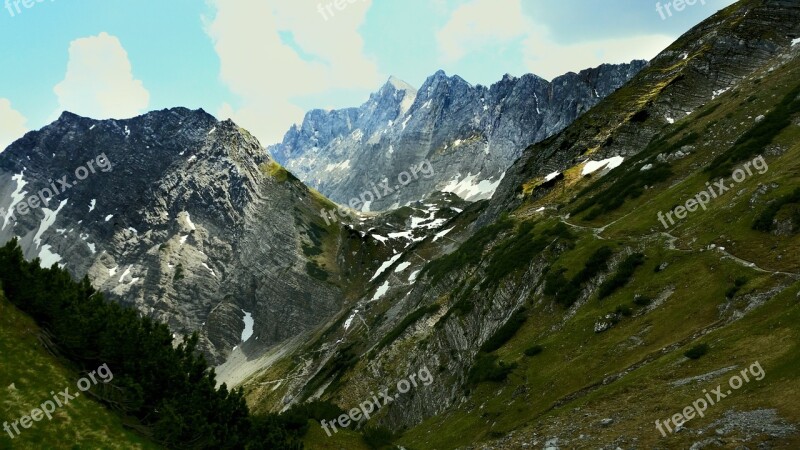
(469, 134)
(184, 217)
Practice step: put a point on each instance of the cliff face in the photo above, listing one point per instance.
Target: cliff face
(469, 134)
(184, 217)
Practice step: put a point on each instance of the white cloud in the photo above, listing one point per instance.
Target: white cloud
(486, 24)
(99, 81)
(12, 124)
(271, 74)
(480, 24)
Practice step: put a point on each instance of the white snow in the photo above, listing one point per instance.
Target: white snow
(212, 130)
(457, 143)
(719, 92)
(537, 103)
(192, 158)
(608, 164)
(48, 258)
(350, 320)
(380, 238)
(551, 176)
(470, 190)
(670, 120)
(646, 167)
(442, 234)
(16, 196)
(112, 271)
(341, 166)
(92, 247)
(108, 217)
(127, 131)
(413, 276)
(48, 220)
(540, 209)
(381, 291)
(186, 220)
(92, 204)
(405, 122)
(91, 127)
(402, 266)
(248, 326)
(404, 234)
(386, 265)
(125, 274)
(210, 270)
(183, 239)
(457, 209)
(795, 42)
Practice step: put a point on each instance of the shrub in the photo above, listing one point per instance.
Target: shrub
(378, 438)
(405, 323)
(764, 221)
(697, 351)
(641, 300)
(567, 293)
(754, 140)
(506, 332)
(624, 273)
(624, 310)
(533, 350)
(487, 368)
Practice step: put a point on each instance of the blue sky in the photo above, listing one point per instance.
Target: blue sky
(264, 63)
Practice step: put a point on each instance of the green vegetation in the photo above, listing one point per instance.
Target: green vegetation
(169, 390)
(277, 172)
(737, 286)
(765, 221)
(630, 185)
(533, 350)
(487, 368)
(755, 139)
(622, 276)
(697, 351)
(566, 293)
(505, 332)
(516, 251)
(405, 323)
(378, 438)
(470, 251)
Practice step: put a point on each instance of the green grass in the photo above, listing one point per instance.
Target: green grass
(33, 372)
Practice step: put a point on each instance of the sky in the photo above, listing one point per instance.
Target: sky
(264, 63)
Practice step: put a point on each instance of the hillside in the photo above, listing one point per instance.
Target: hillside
(28, 373)
(559, 314)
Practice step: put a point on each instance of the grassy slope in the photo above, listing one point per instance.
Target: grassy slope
(33, 372)
(562, 389)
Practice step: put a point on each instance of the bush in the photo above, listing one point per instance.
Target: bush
(624, 273)
(764, 221)
(378, 438)
(697, 351)
(487, 368)
(567, 293)
(405, 323)
(761, 135)
(641, 300)
(506, 332)
(533, 350)
(624, 310)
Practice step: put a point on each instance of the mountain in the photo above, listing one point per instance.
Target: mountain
(468, 134)
(183, 217)
(641, 258)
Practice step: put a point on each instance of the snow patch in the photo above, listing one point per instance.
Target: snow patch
(607, 164)
(385, 266)
(48, 220)
(108, 217)
(470, 190)
(381, 291)
(16, 197)
(551, 176)
(402, 266)
(442, 234)
(92, 204)
(48, 258)
(414, 276)
(249, 323)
